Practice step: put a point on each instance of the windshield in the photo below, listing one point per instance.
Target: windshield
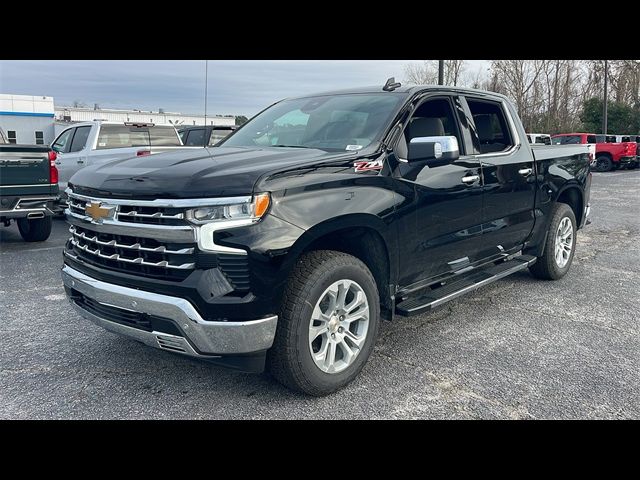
(566, 139)
(331, 123)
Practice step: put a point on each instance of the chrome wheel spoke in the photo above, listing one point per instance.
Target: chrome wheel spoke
(353, 338)
(348, 353)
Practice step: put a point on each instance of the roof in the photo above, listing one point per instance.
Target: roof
(404, 89)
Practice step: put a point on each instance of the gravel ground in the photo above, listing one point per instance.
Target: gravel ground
(519, 348)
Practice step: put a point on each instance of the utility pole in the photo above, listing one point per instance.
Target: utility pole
(440, 72)
(604, 108)
(206, 83)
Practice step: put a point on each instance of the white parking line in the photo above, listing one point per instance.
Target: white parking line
(32, 250)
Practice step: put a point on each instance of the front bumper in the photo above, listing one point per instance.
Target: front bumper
(198, 337)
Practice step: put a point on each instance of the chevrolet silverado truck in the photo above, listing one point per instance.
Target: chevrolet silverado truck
(28, 188)
(284, 246)
(609, 154)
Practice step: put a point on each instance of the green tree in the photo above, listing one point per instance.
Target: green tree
(622, 118)
(240, 119)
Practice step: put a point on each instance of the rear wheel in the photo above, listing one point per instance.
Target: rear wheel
(603, 163)
(328, 323)
(35, 230)
(560, 245)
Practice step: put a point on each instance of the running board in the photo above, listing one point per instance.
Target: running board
(470, 282)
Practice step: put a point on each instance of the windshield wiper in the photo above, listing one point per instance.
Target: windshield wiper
(290, 146)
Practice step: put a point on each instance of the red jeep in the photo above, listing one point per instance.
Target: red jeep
(609, 153)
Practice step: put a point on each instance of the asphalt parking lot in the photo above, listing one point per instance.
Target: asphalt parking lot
(519, 348)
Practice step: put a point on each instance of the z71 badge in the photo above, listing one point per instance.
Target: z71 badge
(367, 166)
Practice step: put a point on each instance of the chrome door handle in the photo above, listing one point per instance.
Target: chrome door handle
(80, 161)
(525, 171)
(470, 179)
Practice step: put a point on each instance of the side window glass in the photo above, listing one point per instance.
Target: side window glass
(63, 142)
(195, 138)
(491, 126)
(80, 139)
(592, 139)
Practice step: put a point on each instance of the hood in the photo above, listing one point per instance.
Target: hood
(194, 173)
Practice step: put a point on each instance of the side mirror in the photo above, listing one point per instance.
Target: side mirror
(444, 149)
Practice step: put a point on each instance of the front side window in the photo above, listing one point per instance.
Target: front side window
(63, 142)
(80, 139)
(330, 123)
(591, 139)
(491, 126)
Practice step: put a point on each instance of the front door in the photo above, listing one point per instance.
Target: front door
(439, 220)
(509, 177)
(73, 152)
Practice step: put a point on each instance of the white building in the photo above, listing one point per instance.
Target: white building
(27, 118)
(77, 114)
(34, 119)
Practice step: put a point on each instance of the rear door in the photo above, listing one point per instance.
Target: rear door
(508, 174)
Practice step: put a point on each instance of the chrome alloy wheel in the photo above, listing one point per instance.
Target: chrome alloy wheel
(564, 242)
(339, 326)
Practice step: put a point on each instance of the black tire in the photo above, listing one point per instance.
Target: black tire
(546, 266)
(603, 163)
(35, 230)
(290, 360)
(633, 165)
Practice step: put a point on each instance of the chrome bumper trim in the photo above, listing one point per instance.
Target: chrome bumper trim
(208, 338)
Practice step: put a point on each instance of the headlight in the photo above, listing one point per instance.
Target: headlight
(249, 210)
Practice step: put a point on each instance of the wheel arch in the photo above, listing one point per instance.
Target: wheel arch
(366, 237)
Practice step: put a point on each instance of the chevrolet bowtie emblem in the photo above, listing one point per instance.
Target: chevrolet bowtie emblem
(97, 212)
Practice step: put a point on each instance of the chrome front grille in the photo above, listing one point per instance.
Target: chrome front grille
(148, 238)
(150, 215)
(143, 256)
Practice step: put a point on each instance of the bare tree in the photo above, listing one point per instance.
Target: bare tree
(426, 73)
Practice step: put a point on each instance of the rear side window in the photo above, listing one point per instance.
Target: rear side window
(591, 139)
(195, 138)
(164, 136)
(122, 136)
(217, 135)
(80, 139)
(63, 142)
(567, 140)
(543, 140)
(491, 126)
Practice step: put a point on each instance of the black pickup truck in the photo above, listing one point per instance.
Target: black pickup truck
(28, 188)
(285, 245)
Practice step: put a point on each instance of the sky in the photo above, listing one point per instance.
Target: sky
(235, 87)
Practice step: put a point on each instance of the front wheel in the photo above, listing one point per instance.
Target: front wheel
(560, 245)
(328, 323)
(34, 230)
